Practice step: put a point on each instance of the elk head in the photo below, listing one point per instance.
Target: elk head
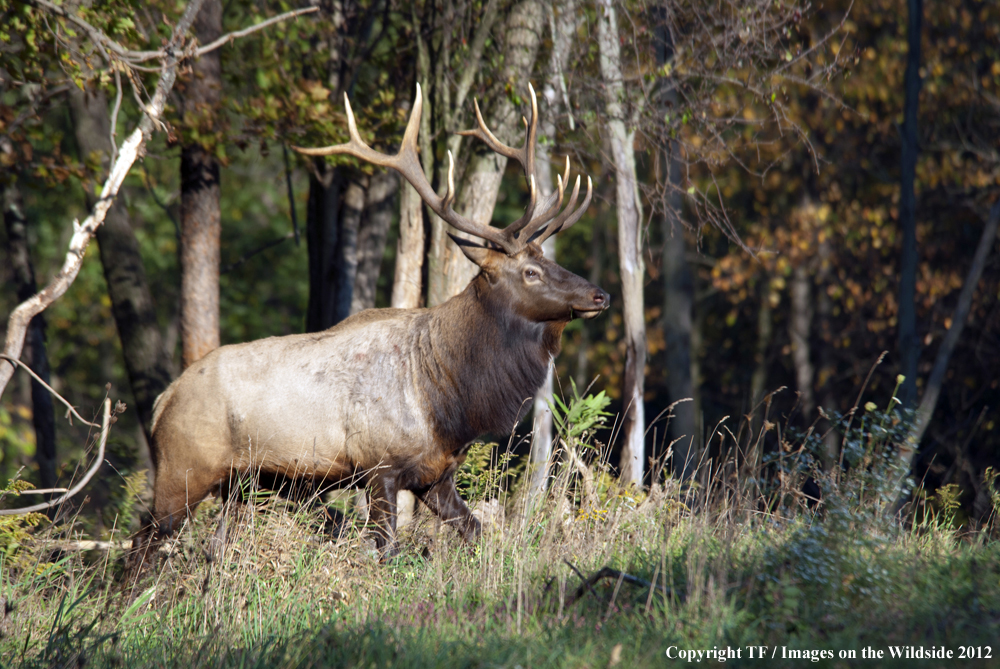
(511, 259)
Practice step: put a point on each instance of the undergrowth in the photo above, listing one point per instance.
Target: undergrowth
(590, 575)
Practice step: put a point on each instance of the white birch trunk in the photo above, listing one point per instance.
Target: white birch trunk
(799, 326)
(480, 186)
(629, 209)
(563, 22)
(407, 281)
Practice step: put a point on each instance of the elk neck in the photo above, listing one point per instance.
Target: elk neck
(484, 363)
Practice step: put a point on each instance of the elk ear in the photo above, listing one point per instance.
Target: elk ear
(478, 254)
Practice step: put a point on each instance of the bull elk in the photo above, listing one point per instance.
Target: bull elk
(388, 397)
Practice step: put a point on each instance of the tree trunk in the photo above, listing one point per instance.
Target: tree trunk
(379, 201)
(697, 351)
(148, 362)
(200, 216)
(678, 323)
(477, 195)
(34, 355)
(678, 307)
(322, 228)
(406, 292)
(909, 344)
(346, 270)
(407, 281)
(824, 309)
(765, 329)
(563, 22)
(598, 242)
(629, 209)
(799, 326)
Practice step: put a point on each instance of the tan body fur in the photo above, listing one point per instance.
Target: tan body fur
(340, 402)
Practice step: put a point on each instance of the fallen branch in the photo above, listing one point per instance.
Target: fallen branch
(608, 572)
(167, 548)
(105, 425)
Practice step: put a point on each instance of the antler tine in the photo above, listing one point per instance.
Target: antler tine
(357, 146)
(407, 163)
(549, 206)
(532, 135)
(566, 220)
(552, 205)
(511, 231)
(486, 136)
(524, 155)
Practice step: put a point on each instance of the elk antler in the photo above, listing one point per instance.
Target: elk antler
(529, 223)
(407, 164)
(516, 235)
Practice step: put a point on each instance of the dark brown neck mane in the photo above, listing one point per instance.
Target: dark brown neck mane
(485, 362)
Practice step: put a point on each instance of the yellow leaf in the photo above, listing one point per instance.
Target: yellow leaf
(319, 92)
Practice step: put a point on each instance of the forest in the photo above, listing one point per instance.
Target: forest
(782, 431)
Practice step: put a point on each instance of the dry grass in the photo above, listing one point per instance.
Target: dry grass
(737, 559)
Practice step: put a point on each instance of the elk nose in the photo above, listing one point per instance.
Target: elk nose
(601, 299)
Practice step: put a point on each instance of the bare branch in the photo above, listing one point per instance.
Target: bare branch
(929, 401)
(130, 56)
(105, 425)
(98, 37)
(70, 407)
(229, 37)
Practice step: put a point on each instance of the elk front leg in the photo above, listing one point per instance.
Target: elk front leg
(382, 512)
(442, 498)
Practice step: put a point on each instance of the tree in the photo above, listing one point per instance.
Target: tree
(379, 200)
(909, 345)
(35, 356)
(621, 135)
(83, 232)
(449, 270)
(849, 238)
(201, 222)
(563, 21)
(146, 359)
(678, 285)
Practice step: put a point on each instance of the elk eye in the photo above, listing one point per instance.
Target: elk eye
(530, 274)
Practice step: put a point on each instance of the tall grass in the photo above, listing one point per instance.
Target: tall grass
(737, 557)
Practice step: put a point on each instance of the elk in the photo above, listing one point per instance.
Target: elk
(390, 398)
